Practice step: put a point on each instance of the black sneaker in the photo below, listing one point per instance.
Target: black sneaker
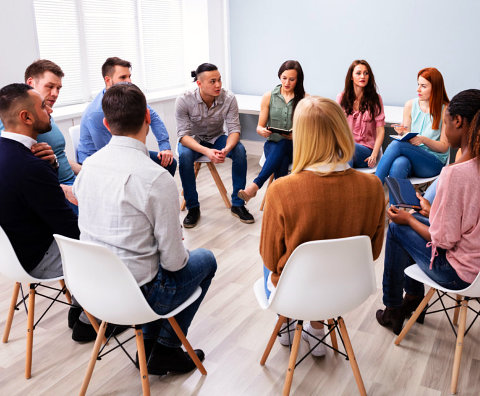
(73, 315)
(191, 219)
(243, 214)
(83, 332)
(164, 360)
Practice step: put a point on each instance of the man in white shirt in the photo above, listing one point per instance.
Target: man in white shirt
(130, 205)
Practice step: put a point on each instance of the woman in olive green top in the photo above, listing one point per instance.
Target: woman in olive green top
(276, 111)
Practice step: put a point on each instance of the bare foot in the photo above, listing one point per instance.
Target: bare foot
(249, 192)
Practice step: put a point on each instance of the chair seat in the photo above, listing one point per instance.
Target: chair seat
(422, 180)
(259, 290)
(415, 272)
(366, 170)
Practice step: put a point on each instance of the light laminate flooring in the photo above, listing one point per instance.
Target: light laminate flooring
(233, 331)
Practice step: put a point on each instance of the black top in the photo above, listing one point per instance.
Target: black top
(32, 203)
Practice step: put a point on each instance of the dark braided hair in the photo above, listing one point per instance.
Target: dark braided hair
(474, 136)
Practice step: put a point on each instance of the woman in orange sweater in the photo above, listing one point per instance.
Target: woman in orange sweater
(323, 198)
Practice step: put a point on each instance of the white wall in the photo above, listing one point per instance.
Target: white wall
(18, 43)
(397, 38)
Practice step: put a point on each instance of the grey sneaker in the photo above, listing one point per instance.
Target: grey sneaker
(243, 214)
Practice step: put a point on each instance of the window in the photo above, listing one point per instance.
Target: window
(79, 35)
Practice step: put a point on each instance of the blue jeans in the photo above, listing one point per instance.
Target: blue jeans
(168, 290)
(402, 159)
(266, 274)
(431, 192)
(187, 157)
(360, 155)
(405, 247)
(278, 157)
(170, 168)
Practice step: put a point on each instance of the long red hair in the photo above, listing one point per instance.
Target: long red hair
(438, 97)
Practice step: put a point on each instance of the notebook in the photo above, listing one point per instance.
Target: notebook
(402, 192)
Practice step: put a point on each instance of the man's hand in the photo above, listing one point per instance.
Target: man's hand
(425, 205)
(216, 156)
(45, 152)
(399, 216)
(67, 190)
(165, 157)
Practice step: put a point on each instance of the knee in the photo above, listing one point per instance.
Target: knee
(400, 167)
(239, 152)
(206, 258)
(185, 156)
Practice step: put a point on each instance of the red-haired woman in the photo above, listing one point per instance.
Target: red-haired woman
(363, 108)
(425, 154)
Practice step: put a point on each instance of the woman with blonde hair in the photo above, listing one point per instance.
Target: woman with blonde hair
(323, 198)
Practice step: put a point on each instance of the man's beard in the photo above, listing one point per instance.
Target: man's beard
(44, 127)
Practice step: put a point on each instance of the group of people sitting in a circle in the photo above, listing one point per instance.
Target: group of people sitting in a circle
(324, 198)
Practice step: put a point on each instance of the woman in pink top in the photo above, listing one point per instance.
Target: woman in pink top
(443, 240)
(364, 110)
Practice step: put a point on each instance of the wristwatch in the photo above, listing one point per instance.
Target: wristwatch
(55, 164)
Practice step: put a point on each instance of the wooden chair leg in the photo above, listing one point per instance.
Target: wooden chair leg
(351, 357)
(11, 311)
(459, 346)
(95, 325)
(219, 183)
(196, 169)
(333, 335)
(268, 185)
(30, 320)
(415, 315)
(281, 320)
(186, 344)
(142, 361)
(93, 358)
(68, 296)
(293, 358)
(457, 310)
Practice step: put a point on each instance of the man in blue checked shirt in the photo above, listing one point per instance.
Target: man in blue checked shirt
(93, 133)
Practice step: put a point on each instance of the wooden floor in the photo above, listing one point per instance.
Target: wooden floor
(233, 332)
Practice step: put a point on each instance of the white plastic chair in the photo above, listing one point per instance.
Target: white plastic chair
(74, 132)
(471, 292)
(216, 177)
(105, 287)
(11, 268)
(321, 280)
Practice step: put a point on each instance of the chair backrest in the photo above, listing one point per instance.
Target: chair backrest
(325, 279)
(102, 283)
(74, 132)
(10, 267)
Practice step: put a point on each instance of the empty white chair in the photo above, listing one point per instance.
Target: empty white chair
(74, 132)
(321, 280)
(104, 286)
(11, 268)
(473, 291)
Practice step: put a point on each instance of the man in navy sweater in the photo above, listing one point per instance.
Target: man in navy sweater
(32, 201)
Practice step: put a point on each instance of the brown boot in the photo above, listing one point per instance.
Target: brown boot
(391, 317)
(410, 304)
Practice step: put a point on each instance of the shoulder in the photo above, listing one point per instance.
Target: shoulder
(339, 97)
(266, 98)
(409, 103)
(188, 97)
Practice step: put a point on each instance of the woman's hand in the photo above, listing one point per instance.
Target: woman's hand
(263, 132)
(425, 205)
(399, 216)
(371, 161)
(417, 140)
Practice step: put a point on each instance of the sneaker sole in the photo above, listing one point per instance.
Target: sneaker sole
(189, 225)
(242, 220)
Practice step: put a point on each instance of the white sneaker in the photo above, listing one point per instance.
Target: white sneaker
(320, 349)
(286, 336)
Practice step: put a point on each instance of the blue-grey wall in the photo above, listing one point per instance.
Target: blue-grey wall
(397, 38)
